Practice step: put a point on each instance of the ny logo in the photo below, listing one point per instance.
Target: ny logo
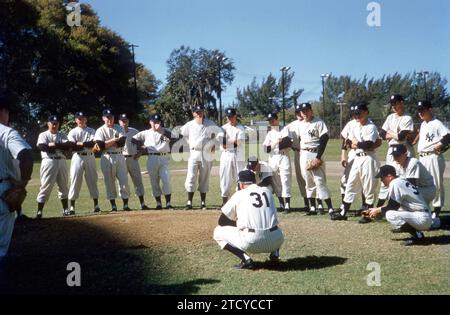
(313, 133)
(429, 137)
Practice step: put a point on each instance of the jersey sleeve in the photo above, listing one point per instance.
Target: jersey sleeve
(71, 136)
(322, 128)
(267, 141)
(229, 209)
(184, 130)
(407, 124)
(98, 135)
(442, 130)
(41, 139)
(372, 134)
(241, 134)
(414, 171)
(345, 131)
(385, 126)
(16, 143)
(140, 136)
(395, 192)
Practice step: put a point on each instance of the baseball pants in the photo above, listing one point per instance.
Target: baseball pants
(362, 177)
(134, 170)
(250, 242)
(281, 174)
(345, 175)
(230, 166)
(200, 169)
(435, 164)
(421, 221)
(53, 171)
(7, 220)
(113, 167)
(158, 170)
(298, 174)
(314, 179)
(83, 164)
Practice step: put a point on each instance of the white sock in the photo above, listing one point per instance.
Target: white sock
(247, 257)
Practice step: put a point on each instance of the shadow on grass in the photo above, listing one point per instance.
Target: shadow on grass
(112, 261)
(302, 263)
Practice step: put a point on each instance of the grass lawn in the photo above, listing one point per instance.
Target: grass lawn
(172, 252)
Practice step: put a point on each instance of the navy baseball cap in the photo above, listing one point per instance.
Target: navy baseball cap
(107, 113)
(247, 176)
(358, 108)
(386, 170)
(271, 116)
(252, 162)
(53, 119)
(298, 108)
(198, 108)
(80, 115)
(421, 105)
(398, 150)
(305, 106)
(123, 116)
(230, 112)
(396, 98)
(156, 117)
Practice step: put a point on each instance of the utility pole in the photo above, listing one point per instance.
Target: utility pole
(220, 59)
(323, 76)
(134, 74)
(284, 70)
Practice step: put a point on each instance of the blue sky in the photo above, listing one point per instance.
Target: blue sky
(312, 37)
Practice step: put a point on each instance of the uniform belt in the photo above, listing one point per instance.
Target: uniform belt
(194, 149)
(85, 153)
(127, 155)
(362, 154)
(274, 228)
(157, 153)
(422, 154)
(311, 150)
(113, 152)
(55, 157)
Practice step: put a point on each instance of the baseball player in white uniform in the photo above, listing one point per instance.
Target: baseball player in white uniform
(397, 129)
(52, 144)
(130, 153)
(201, 135)
(83, 162)
(313, 141)
(434, 138)
(156, 143)
(248, 223)
(293, 128)
(279, 161)
(407, 211)
(361, 138)
(111, 139)
(412, 170)
(232, 159)
(12, 147)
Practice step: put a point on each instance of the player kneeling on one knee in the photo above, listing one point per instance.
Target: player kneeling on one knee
(407, 211)
(248, 223)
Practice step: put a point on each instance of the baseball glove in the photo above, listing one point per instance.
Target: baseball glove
(14, 197)
(96, 148)
(313, 164)
(285, 143)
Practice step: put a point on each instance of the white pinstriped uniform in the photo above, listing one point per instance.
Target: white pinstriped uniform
(232, 160)
(113, 165)
(424, 180)
(345, 134)
(82, 162)
(279, 162)
(293, 128)
(157, 165)
(430, 135)
(53, 167)
(133, 168)
(11, 143)
(251, 208)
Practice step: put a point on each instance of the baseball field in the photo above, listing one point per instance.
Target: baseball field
(172, 251)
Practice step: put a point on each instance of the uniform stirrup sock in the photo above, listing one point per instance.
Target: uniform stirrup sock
(329, 204)
(168, 198)
(65, 203)
(113, 202)
(224, 200)
(345, 207)
(437, 211)
(203, 198)
(72, 203)
(312, 202)
(95, 202)
(141, 200)
(342, 197)
(319, 202)
(190, 197)
(125, 202)
(306, 201)
(280, 199)
(236, 251)
(41, 206)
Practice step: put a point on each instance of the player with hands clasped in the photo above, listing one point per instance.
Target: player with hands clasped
(83, 162)
(155, 142)
(111, 139)
(434, 139)
(52, 144)
(406, 210)
(248, 223)
(278, 143)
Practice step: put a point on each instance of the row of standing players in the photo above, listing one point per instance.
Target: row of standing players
(122, 146)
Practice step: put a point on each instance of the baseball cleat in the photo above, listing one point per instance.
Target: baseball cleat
(158, 207)
(168, 206)
(114, 209)
(338, 217)
(312, 211)
(405, 228)
(39, 214)
(364, 220)
(144, 207)
(72, 211)
(417, 240)
(66, 212)
(287, 209)
(126, 208)
(188, 206)
(203, 206)
(97, 209)
(248, 264)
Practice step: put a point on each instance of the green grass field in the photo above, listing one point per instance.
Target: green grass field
(172, 251)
